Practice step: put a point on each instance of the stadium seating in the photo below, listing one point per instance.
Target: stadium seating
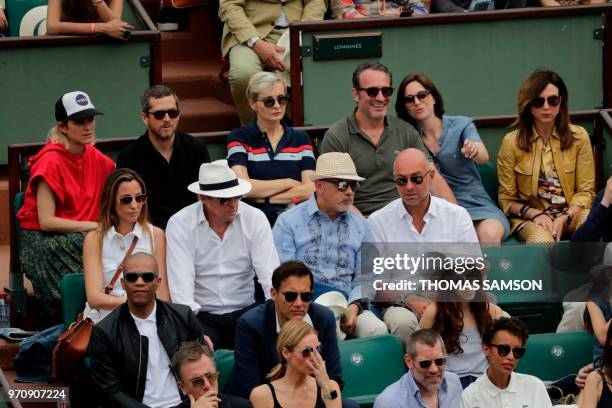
(24, 13)
(72, 290)
(224, 360)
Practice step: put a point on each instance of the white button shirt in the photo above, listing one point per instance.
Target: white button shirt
(160, 390)
(523, 391)
(444, 222)
(212, 274)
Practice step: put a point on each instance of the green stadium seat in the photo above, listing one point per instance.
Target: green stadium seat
(369, 365)
(551, 356)
(35, 13)
(224, 360)
(72, 290)
(489, 179)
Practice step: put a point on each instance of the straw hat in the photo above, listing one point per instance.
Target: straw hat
(335, 165)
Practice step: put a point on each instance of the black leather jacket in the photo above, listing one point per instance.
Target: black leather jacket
(119, 354)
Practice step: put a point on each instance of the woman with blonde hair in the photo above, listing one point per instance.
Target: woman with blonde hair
(545, 167)
(123, 220)
(291, 382)
(62, 200)
(277, 159)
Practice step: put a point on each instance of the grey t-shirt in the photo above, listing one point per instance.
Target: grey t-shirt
(375, 163)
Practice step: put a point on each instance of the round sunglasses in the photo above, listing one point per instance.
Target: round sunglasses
(373, 91)
(503, 350)
(160, 114)
(421, 95)
(553, 101)
(269, 101)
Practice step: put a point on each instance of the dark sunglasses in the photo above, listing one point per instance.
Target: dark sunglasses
(225, 200)
(372, 91)
(198, 382)
(292, 296)
(402, 181)
(427, 363)
(503, 350)
(419, 95)
(127, 199)
(553, 100)
(307, 351)
(344, 185)
(133, 276)
(159, 115)
(269, 101)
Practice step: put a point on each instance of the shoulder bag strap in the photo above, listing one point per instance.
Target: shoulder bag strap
(111, 285)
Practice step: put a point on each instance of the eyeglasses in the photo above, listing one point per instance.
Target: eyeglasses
(427, 363)
(225, 200)
(127, 199)
(372, 91)
(342, 185)
(503, 350)
(133, 276)
(553, 101)
(409, 99)
(198, 382)
(307, 351)
(269, 101)
(159, 115)
(402, 181)
(292, 296)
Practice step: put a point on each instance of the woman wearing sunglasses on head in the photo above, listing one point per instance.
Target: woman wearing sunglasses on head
(545, 167)
(61, 200)
(275, 158)
(301, 378)
(460, 317)
(456, 148)
(123, 221)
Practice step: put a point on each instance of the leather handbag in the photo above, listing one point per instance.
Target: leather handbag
(72, 345)
(184, 3)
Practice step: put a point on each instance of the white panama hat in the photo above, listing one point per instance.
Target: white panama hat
(338, 304)
(216, 179)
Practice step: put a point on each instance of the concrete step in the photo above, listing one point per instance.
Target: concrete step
(207, 114)
(196, 78)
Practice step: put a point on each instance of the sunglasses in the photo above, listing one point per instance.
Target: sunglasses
(427, 363)
(269, 101)
(307, 351)
(198, 382)
(127, 199)
(409, 99)
(225, 200)
(292, 296)
(159, 115)
(503, 350)
(402, 181)
(344, 185)
(133, 276)
(553, 101)
(372, 91)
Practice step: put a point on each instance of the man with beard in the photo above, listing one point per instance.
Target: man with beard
(327, 237)
(167, 160)
(374, 139)
(426, 384)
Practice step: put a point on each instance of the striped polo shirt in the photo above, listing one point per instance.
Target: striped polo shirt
(250, 147)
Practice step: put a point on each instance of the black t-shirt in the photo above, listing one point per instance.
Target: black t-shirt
(166, 182)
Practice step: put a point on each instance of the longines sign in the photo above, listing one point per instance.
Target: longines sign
(347, 46)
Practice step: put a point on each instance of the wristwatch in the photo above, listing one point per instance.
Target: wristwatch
(251, 42)
(330, 395)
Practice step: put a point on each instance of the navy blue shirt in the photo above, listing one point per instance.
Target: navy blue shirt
(250, 147)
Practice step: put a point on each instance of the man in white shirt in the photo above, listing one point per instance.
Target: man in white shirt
(416, 217)
(504, 344)
(131, 348)
(213, 248)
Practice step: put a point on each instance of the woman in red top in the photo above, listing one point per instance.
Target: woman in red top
(62, 200)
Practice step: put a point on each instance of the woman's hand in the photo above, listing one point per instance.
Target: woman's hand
(118, 29)
(545, 222)
(559, 225)
(320, 371)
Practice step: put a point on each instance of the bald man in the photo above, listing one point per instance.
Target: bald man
(417, 216)
(131, 348)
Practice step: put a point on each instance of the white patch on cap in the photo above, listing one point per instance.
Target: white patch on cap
(75, 102)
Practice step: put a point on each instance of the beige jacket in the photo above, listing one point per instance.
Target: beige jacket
(245, 19)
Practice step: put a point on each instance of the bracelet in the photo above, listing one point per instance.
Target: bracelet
(537, 215)
(93, 28)
(523, 210)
